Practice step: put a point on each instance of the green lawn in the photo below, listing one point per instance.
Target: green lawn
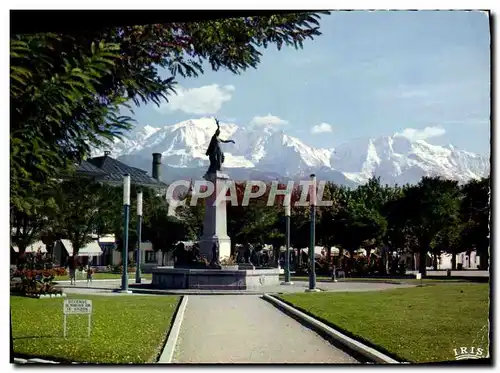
(372, 279)
(125, 329)
(422, 324)
(103, 276)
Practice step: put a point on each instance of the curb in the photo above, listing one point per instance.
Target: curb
(18, 360)
(350, 343)
(196, 292)
(168, 351)
(97, 280)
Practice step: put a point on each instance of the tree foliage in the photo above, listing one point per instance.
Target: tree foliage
(434, 216)
(67, 90)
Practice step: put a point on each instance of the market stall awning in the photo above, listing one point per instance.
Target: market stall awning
(146, 246)
(38, 246)
(90, 249)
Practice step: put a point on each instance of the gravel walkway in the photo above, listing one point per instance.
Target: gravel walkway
(236, 329)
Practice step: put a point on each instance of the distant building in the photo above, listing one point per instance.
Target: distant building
(109, 170)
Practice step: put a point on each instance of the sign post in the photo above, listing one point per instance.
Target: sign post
(287, 202)
(77, 307)
(312, 241)
(139, 229)
(126, 210)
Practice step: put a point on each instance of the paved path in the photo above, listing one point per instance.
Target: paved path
(297, 287)
(236, 329)
(466, 273)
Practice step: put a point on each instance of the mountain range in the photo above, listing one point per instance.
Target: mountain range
(266, 153)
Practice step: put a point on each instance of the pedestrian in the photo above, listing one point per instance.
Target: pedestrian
(90, 272)
(72, 270)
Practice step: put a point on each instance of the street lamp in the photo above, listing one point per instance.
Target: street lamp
(126, 211)
(139, 231)
(287, 242)
(312, 272)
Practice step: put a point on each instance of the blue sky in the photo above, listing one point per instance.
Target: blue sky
(424, 74)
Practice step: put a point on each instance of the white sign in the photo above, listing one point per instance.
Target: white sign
(419, 276)
(77, 307)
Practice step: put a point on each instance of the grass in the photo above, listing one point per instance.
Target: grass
(422, 324)
(103, 276)
(125, 329)
(374, 279)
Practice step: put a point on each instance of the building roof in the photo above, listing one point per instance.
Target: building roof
(110, 170)
(88, 167)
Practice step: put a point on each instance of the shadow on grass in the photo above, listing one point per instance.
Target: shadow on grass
(38, 337)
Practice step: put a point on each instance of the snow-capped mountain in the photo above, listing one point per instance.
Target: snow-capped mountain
(265, 153)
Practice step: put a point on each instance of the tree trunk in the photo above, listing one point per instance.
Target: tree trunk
(386, 257)
(422, 261)
(434, 261)
(453, 261)
(483, 259)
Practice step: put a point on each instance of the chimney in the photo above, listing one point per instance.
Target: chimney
(106, 153)
(156, 166)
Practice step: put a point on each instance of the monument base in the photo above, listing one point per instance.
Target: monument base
(207, 243)
(213, 279)
(215, 220)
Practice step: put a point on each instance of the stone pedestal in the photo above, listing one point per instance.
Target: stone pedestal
(215, 221)
(213, 279)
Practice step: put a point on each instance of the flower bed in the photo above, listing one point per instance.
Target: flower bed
(34, 283)
(119, 269)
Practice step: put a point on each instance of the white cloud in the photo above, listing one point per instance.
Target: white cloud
(273, 120)
(202, 100)
(422, 134)
(321, 128)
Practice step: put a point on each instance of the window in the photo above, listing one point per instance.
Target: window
(151, 257)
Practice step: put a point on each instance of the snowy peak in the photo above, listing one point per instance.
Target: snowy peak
(270, 151)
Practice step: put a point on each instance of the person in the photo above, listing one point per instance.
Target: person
(72, 270)
(90, 272)
(214, 151)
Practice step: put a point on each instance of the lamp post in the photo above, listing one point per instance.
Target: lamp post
(312, 272)
(139, 231)
(287, 242)
(126, 211)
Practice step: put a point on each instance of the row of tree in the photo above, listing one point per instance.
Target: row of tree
(433, 216)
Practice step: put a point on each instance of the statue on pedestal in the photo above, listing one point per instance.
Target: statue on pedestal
(248, 253)
(255, 257)
(214, 151)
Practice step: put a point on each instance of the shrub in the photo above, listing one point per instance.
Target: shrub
(119, 269)
(228, 261)
(302, 269)
(323, 267)
(34, 282)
